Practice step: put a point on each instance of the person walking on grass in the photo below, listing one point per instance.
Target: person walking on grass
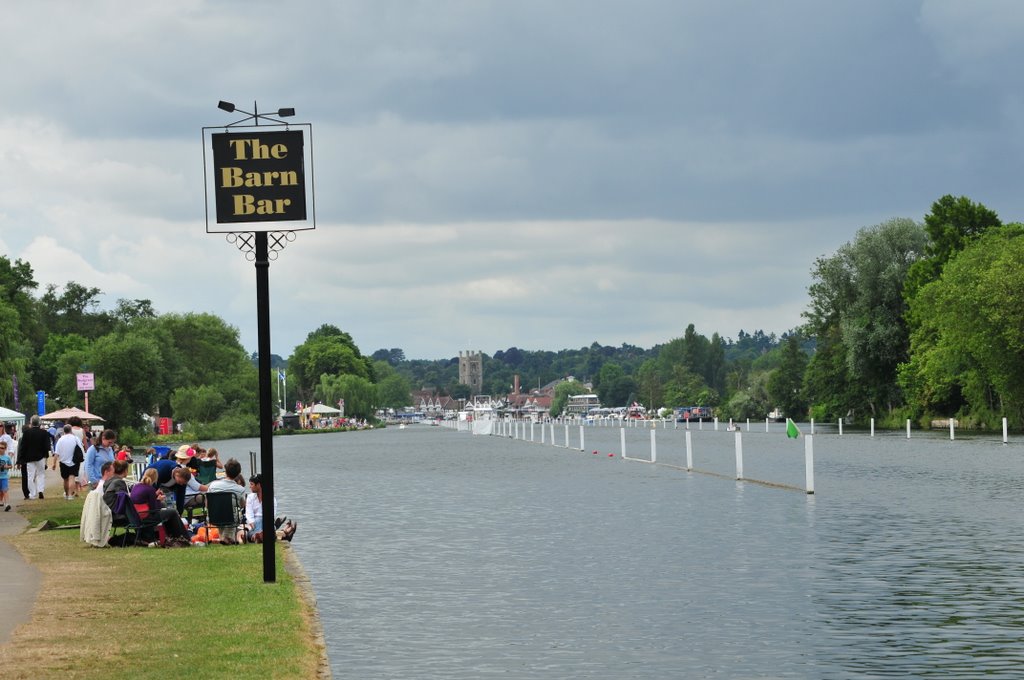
(5, 466)
(67, 446)
(33, 450)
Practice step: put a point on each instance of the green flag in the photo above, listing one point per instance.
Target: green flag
(792, 431)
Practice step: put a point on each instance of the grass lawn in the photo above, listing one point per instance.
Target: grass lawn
(157, 613)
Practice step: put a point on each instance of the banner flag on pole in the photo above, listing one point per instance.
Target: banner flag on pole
(792, 431)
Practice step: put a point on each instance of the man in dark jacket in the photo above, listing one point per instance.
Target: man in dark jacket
(33, 450)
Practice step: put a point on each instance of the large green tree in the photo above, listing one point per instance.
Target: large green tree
(17, 283)
(76, 309)
(393, 389)
(129, 382)
(49, 362)
(13, 356)
(326, 351)
(969, 339)
(785, 384)
(614, 387)
(563, 391)
(859, 293)
(198, 349)
(951, 225)
(202, 404)
(360, 394)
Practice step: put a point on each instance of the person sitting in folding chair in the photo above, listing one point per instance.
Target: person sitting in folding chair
(97, 517)
(148, 500)
(116, 482)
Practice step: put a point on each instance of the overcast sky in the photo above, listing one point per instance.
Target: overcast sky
(537, 174)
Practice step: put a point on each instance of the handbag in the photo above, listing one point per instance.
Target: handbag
(77, 457)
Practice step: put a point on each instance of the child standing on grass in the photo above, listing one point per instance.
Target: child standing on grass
(5, 465)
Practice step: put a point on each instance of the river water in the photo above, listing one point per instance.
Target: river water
(437, 554)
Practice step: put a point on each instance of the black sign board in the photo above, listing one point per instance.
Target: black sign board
(259, 176)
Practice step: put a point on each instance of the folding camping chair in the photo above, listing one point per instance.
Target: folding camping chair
(225, 512)
(146, 530)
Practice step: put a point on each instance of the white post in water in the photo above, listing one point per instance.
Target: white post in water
(654, 449)
(567, 435)
(809, 462)
(812, 425)
(739, 455)
(872, 427)
(700, 423)
(582, 447)
(908, 428)
(716, 423)
(689, 452)
(542, 429)
(748, 424)
(531, 430)
(765, 424)
(840, 427)
(951, 435)
(622, 441)
(1005, 440)
(553, 433)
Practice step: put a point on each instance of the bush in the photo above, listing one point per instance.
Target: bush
(229, 426)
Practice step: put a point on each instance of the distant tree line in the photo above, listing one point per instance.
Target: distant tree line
(907, 320)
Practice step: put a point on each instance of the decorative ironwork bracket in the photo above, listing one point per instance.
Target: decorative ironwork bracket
(245, 242)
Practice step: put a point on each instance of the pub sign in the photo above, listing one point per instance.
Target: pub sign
(258, 175)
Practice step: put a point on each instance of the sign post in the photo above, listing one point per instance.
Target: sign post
(86, 383)
(258, 177)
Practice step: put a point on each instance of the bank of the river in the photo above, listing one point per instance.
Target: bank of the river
(152, 613)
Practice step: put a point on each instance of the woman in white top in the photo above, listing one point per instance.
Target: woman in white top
(252, 531)
(76, 429)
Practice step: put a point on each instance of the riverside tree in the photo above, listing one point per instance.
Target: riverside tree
(967, 354)
(857, 307)
(326, 351)
(786, 383)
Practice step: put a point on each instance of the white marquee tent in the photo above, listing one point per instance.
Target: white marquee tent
(9, 416)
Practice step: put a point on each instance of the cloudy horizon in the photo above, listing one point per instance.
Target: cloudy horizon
(490, 175)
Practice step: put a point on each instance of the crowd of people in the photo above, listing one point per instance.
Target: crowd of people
(170, 486)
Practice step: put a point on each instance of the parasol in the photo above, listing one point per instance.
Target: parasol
(65, 413)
